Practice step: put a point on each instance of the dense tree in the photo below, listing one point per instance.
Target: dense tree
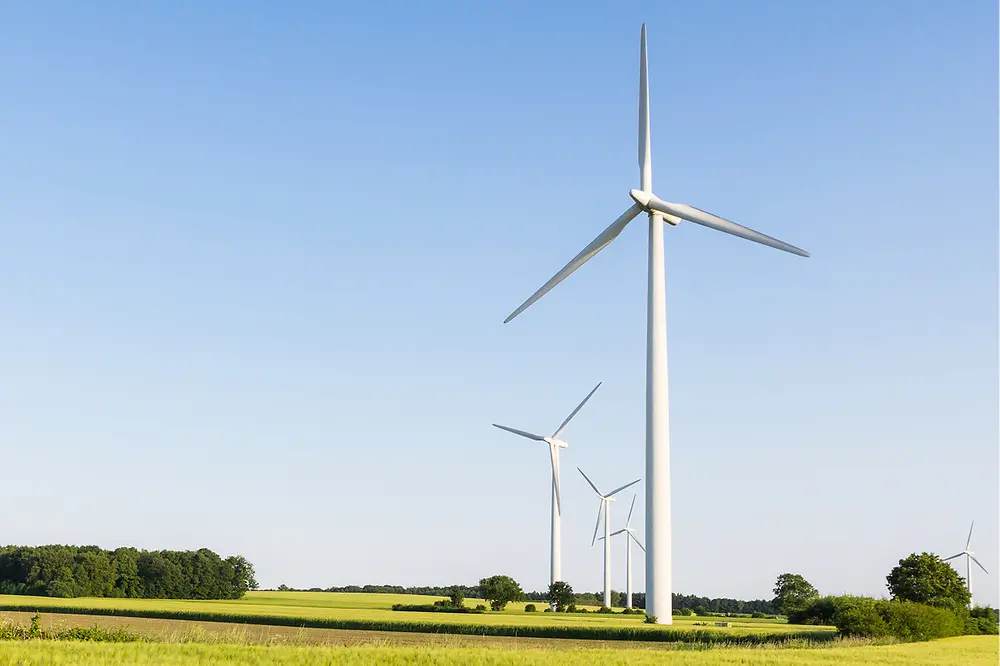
(73, 571)
(926, 579)
(500, 591)
(561, 595)
(457, 596)
(792, 592)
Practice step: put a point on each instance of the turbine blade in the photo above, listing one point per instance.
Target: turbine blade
(628, 521)
(978, 562)
(569, 418)
(522, 433)
(645, 159)
(590, 482)
(633, 537)
(555, 476)
(618, 532)
(598, 525)
(969, 540)
(953, 557)
(585, 255)
(705, 219)
(618, 490)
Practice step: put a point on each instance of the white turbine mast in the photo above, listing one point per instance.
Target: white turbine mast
(555, 564)
(629, 538)
(658, 528)
(969, 559)
(605, 509)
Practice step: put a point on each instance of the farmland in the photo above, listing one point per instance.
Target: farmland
(373, 611)
(967, 651)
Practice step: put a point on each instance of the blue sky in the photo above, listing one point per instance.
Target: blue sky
(256, 258)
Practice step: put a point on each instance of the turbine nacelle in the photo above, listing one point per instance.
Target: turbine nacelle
(558, 443)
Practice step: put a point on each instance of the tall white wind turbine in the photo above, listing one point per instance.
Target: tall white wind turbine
(605, 511)
(629, 538)
(969, 559)
(658, 530)
(555, 565)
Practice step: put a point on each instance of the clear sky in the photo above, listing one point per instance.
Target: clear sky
(254, 260)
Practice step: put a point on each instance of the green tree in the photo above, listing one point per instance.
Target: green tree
(457, 597)
(561, 595)
(926, 579)
(792, 592)
(500, 591)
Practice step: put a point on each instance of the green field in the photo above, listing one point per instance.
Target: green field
(373, 611)
(966, 651)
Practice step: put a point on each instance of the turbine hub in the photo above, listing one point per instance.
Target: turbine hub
(641, 198)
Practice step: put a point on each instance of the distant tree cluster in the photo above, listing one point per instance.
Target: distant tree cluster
(705, 604)
(702, 605)
(471, 591)
(90, 571)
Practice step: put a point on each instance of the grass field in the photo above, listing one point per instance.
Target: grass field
(375, 607)
(966, 651)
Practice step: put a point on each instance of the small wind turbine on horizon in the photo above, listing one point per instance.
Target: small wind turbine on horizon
(659, 585)
(969, 559)
(555, 564)
(629, 538)
(605, 511)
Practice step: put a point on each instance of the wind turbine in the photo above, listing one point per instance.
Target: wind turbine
(555, 566)
(969, 559)
(605, 509)
(629, 538)
(658, 530)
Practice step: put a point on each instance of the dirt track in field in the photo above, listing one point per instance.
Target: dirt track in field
(232, 632)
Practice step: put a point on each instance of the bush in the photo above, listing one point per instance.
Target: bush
(861, 620)
(651, 619)
(480, 608)
(676, 611)
(980, 626)
(822, 611)
(530, 608)
(757, 615)
(904, 620)
(547, 610)
(571, 608)
(605, 610)
(687, 611)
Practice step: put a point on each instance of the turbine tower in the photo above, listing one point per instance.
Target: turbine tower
(629, 538)
(555, 565)
(658, 530)
(969, 559)
(605, 509)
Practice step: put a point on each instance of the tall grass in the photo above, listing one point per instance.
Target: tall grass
(967, 651)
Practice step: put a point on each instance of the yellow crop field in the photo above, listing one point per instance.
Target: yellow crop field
(966, 651)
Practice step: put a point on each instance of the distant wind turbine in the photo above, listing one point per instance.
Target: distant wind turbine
(969, 559)
(629, 538)
(555, 565)
(658, 531)
(605, 510)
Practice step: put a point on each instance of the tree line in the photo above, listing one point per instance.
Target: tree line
(90, 571)
(696, 603)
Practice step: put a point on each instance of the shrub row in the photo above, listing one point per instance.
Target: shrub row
(438, 608)
(607, 633)
(904, 620)
(15, 632)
